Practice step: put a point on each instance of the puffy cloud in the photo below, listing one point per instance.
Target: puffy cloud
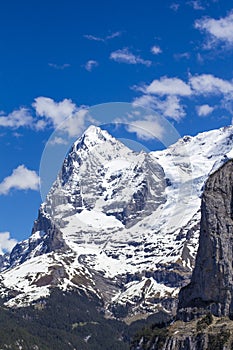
(169, 86)
(125, 56)
(217, 30)
(6, 243)
(49, 113)
(163, 97)
(156, 50)
(205, 84)
(20, 179)
(40, 124)
(75, 125)
(170, 107)
(146, 101)
(204, 110)
(18, 118)
(55, 112)
(166, 95)
(147, 129)
(202, 84)
(64, 115)
(90, 65)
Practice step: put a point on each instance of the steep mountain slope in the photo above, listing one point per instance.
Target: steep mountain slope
(118, 224)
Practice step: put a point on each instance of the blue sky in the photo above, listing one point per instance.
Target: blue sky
(59, 58)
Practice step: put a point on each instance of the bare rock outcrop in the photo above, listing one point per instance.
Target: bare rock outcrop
(211, 287)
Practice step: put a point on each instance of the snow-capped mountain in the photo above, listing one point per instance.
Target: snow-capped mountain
(118, 224)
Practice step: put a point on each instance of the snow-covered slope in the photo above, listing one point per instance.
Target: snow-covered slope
(120, 224)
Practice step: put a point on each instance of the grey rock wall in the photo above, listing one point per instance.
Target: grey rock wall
(211, 286)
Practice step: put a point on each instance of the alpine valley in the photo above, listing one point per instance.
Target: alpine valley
(113, 243)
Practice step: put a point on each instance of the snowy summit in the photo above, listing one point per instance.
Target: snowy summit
(120, 224)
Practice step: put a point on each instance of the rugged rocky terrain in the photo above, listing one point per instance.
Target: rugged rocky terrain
(211, 286)
(121, 225)
(210, 292)
(206, 333)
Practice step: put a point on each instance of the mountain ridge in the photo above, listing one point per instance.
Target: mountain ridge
(119, 224)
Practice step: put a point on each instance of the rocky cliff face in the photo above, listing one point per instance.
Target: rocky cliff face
(211, 286)
(210, 291)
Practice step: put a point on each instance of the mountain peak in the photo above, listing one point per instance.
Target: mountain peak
(93, 129)
(93, 136)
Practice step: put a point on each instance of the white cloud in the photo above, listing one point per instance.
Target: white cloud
(125, 56)
(20, 179)
(175, 7)
(166, 95)
(169, 86)
(41, 124)
(227, 103)
(17, 134)
(104, 39)
(6, 243)
(156, 50)
(218, 30)
(185, 55)
(163, 96)
(93, 37)
(55, 112)
(206, 84)
(75, 124)
(204, 110)
(196, 4)
(18, 118)
(59, 66)
(90, 65)
(113, 35)
(57, 140)
(146, 101)
(170, 107)
(49, 113)
(64, 115)
(200, 58)
(147, 129)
